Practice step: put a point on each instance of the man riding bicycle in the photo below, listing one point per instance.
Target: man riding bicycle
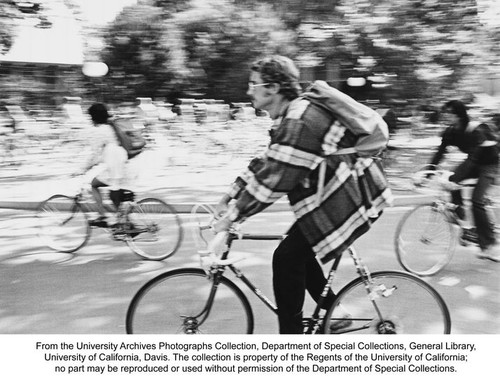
(301, 134)
(480, 144)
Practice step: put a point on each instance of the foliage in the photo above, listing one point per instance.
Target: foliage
(178, 48)
(220, 42)
(136, 53)
(418, 49)
(419, 44)
(8, 14)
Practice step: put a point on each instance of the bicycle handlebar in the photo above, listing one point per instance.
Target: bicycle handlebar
(211, 248)
(437, 179)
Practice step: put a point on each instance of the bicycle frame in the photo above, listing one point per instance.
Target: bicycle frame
(218, 270)
(441, 198)
(120, 230)
(312, 323)
(206, 302)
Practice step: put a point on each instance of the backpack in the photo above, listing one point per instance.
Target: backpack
(492, 132)
(489, 131)
(131, 138)
(365, 123)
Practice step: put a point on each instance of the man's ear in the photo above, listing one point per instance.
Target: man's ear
(273, 89)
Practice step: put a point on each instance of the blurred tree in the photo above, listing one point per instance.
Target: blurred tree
(221, 41)
(9, 14)
(295, 12)
(419, 44)
(413, 48)
(170, 6)
(136, 53)
(423, 46)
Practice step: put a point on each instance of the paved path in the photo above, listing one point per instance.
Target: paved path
(88, 293)
(181, 173)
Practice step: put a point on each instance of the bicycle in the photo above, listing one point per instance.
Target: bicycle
(205, 301)
(150, 227)
(426, 236)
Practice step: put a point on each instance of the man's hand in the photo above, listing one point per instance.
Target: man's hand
(223, 205)
(222, 224)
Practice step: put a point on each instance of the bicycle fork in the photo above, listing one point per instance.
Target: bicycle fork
(374, 292)
(191, 323)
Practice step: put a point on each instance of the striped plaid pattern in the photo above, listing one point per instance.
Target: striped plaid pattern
(355, 189)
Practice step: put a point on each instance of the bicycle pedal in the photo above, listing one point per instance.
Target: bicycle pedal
(119, 236)
(469, 235)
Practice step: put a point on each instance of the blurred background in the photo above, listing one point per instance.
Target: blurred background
(180, 70)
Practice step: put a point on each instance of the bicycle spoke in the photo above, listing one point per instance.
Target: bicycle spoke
(62, 225)
(410, 307)
(424, 240)
(156, 231)
(176, 302)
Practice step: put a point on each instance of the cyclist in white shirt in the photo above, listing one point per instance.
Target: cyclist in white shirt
(111, 158)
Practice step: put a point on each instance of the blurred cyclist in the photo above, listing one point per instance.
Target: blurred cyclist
(111, 157)
(480, 144)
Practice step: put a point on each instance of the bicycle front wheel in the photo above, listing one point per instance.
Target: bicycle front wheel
(62, 224)
(397, 303)
(424, 240)
(156, 231)
(186, 301)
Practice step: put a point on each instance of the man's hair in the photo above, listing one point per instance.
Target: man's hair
(98, 113)
(458, 108)
(281, 70)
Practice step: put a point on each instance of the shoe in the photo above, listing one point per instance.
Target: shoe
(99, 222)
(131, 231)
(492, 253)
(339, 324)
(469, 235)
(342, 322)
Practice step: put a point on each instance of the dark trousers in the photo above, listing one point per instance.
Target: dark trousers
(295, 269)
(485, 175)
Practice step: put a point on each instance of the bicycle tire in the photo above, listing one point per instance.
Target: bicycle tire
(424, 240)
(62, 224)
(157, 230)
(408, 306)
(172, 302)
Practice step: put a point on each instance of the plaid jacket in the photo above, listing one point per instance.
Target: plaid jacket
(355, 189)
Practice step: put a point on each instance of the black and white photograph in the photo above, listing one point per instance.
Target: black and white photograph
(250, 172)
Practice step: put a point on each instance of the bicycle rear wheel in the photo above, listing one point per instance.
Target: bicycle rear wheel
(156, 230)
(424, 240)
(398, 303)
(176, 302)
(62, 224)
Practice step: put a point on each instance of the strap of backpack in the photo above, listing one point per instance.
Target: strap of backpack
(322, 172)
(321, 182)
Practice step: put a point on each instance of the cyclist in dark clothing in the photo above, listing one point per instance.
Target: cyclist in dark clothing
(480, 144)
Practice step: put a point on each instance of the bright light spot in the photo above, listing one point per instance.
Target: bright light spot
(95, 69)
(356, 82)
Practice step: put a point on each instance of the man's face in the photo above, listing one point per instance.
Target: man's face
(258, 92)
(449, 118)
